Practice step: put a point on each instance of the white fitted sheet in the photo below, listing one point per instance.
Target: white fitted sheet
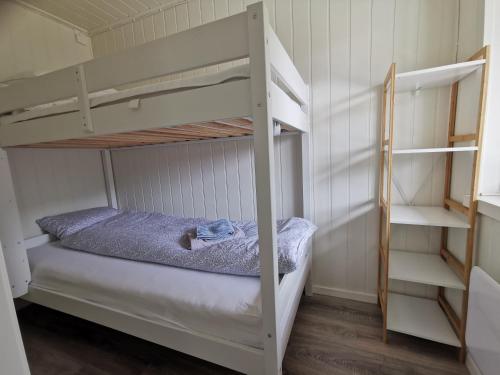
(112, 95)
(224, 306)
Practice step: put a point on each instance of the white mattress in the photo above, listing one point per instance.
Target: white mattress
(225, 306)
(112, 95)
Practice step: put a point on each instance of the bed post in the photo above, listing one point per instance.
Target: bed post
(306, 198)
(260, 70)
(109, 178)
(11, 233)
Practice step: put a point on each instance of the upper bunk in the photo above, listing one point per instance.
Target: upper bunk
(109, 102)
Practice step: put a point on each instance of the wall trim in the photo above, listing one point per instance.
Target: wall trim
(344, 293)
(472, 365)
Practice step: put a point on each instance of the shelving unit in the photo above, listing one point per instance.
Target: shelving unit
(432, 319)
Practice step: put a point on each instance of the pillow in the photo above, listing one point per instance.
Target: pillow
(66, 224)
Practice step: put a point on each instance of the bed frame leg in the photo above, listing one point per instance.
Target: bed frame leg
(260, 81)
(11, 232)
(309, 283)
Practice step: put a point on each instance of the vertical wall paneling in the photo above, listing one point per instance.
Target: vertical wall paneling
(49, 182)
(202, 179)
(488, 252)
(490, 159)
(382, 53)
(343, 49)
(36, 44)
(320, 114)
(359, 140)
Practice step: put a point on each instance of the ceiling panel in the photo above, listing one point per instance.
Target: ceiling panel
(97, 14)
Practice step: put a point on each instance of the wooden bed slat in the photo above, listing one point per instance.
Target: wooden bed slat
(189, 132)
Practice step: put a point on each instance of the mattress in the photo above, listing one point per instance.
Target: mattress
(109, 96)
(224, 306)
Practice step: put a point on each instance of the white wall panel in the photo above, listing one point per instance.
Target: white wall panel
(36, 44)
(343, 48)
(49, 182)
(46, 181)
(488, 247)
(204, 179)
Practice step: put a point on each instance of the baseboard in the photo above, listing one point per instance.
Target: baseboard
(343, 293)
(472, 365)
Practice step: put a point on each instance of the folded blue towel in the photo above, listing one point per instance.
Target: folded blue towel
(216, 230)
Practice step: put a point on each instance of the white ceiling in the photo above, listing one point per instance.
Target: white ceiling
(93, 15)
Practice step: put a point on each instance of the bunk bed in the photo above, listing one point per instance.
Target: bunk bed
(262, 98)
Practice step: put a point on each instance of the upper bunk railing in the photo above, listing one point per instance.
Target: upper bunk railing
(210, 44)
(207, 45)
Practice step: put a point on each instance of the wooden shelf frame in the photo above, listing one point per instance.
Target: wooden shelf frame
(480, 60)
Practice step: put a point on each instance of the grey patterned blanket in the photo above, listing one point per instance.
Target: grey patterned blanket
(157, 238)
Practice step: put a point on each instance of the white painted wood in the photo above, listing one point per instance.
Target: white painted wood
(83, 99)
(432, 150)
(483, 328)
(422, 268)
(472, 365)
(32, 43)
(419, 317)
(260, 84)
(209, 44)
(109, 178)
(489, 206)
(290, 292)
(227, 100)
(226, 353)
(286, 111)
(317, 34)
(488, 250)
(220, 176)
(286, 71)
(471, 27)
(11, 233)
(434, 77)
(316, 52)
(306, 198)
(427, 215)
(489, 181)
(49, 182)
(12, 355)
(37, 241)
(320, 149)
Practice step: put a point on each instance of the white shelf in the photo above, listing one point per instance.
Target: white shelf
(427, 215)
(419, 317)
(432, 150)
(422, 268)
(435, 77)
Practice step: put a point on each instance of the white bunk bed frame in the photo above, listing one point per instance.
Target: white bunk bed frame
(247, 34)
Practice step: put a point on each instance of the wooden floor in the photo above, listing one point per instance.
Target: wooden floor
(330, 336)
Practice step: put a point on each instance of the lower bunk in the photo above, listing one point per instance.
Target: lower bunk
(215, 317)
